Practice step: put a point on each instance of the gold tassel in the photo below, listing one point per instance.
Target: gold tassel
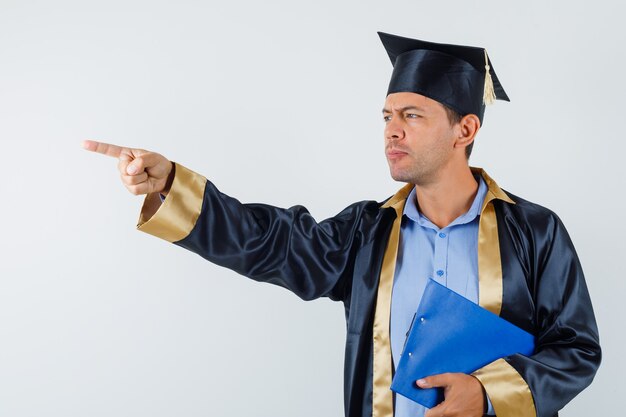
(489, 95)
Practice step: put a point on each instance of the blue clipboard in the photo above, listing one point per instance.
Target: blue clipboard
(452, 334)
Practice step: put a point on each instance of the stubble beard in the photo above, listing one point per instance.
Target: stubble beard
(422, 171)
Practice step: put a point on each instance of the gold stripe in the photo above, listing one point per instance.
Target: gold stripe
(489, 264)
(494, 188)
(174, 219)
(489, 261)
(401, 195)
(382, 396)
(507, 390)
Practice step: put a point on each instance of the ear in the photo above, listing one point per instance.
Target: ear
(467, 129)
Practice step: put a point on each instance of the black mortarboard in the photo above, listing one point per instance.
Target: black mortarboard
(461, 77)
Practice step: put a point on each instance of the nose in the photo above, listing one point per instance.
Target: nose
(394, 130)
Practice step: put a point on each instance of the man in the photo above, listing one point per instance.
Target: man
(451, 222)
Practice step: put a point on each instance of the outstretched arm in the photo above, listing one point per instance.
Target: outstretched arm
(283, 246)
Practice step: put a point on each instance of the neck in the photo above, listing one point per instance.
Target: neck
(448, 197)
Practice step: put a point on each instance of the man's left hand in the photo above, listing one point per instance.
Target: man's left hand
(464, 395)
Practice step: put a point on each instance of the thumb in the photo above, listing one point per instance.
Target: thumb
(140, 163)
(441, 380)
(147, 161)
(135, 167)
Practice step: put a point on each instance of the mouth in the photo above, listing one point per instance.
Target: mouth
(395, 154)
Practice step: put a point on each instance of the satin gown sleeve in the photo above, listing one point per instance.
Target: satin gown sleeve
(567, 353)
(282, 246)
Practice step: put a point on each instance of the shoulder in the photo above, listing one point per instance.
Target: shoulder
(370, 207)
(529, 216)
(364, 214)
(527, 207)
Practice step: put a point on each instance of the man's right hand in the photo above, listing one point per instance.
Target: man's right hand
(142, 171)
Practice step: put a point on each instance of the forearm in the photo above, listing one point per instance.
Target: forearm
(284, 246)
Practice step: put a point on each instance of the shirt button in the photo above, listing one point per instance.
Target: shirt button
(442, 235)
(440, 272)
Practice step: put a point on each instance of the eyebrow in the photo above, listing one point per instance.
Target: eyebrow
(402, 109)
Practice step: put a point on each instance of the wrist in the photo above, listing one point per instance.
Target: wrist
(169, 181)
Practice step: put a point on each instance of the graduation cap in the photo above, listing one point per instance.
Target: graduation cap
(460, 77)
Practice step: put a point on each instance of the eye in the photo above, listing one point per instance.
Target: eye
(412, 115)
(386, 118)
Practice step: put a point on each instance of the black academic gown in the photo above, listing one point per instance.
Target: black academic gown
(529, 274)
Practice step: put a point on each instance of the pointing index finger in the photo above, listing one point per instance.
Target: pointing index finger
(107, 149)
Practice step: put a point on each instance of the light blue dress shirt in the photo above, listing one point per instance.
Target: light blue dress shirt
(448, 255)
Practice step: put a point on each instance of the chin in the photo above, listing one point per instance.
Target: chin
(400, 176)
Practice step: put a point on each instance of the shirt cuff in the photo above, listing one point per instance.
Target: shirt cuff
(490, 410)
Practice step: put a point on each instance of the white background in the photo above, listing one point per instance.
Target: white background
(276, 102)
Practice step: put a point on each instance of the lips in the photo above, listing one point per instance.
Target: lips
(395, 154)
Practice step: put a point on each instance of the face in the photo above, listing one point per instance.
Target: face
(419, 140)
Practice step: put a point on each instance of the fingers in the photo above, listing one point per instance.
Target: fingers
(150, 172)
(155, 164)
(141, 188)
(141, 163)
(132, 161)
(134, 179)
(122, 164)
(437, 411)
(141, 171)
(432, 381)
(107, 149)
(464, 395)
(138, 184)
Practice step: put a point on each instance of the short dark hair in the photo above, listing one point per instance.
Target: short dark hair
(455, 117)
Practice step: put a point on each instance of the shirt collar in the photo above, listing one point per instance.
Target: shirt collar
(413, 213)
